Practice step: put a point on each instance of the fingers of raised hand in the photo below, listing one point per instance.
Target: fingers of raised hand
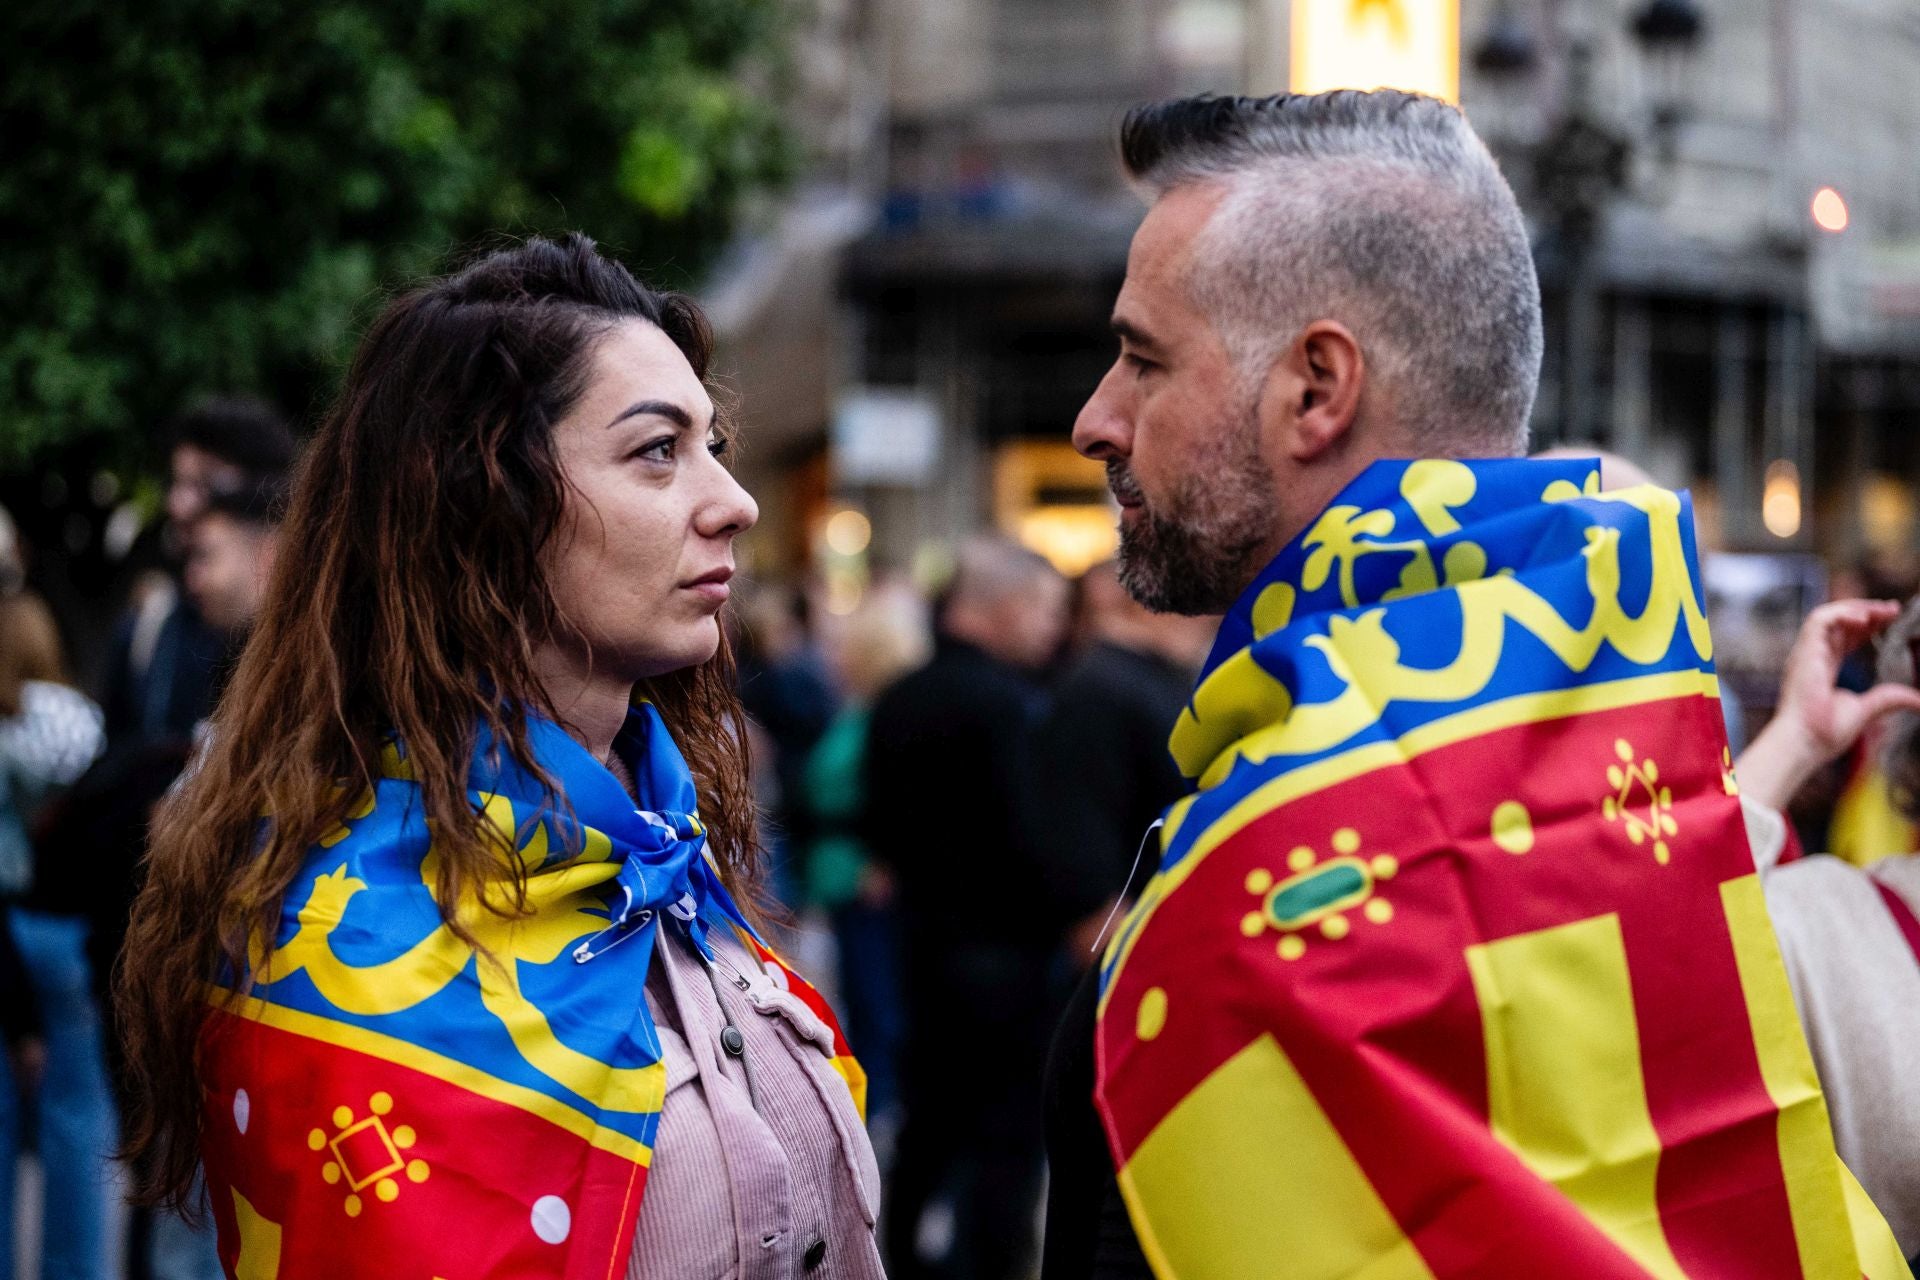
(1844, 624)
(1885, 698)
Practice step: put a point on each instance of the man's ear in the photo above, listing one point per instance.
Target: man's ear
(1312, 391)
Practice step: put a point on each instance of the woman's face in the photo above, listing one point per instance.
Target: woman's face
(639, 564)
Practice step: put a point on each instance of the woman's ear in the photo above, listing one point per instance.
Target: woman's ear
(1312, 391)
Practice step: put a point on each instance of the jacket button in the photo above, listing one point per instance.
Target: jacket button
(815, 1255)
(733, 1042)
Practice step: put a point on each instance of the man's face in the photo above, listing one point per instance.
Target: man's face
(193, 476)
(228, 562)
(1177, 426)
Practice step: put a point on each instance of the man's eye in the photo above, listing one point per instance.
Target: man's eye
(1138, 364)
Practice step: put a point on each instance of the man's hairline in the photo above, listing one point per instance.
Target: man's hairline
(1459, 442)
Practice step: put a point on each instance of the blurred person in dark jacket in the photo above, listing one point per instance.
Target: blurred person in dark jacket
(947, 763)
(1101, 766)
(92, 842)
(166, 656)
(230, 555)
(1103, 776)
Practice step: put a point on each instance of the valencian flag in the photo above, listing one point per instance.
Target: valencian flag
(1456, 964)
(386, 1103)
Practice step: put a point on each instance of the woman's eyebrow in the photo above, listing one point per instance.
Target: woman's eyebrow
(658, 408)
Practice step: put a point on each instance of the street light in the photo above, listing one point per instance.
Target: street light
(1668, 33)
(1507, 47)
(1585, 160)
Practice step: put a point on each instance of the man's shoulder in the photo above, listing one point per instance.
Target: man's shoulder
(1110, 678)
(951, 693)
(967, 674)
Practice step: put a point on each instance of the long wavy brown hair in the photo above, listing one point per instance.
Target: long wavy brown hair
(409, 598)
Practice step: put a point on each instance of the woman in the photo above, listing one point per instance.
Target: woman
(1850, 937)
(488, 715)
(49, 734)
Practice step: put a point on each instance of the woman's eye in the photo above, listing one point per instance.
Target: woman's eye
(717, 446)
(660, 450)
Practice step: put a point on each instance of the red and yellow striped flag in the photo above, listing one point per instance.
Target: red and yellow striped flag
(1457, 964)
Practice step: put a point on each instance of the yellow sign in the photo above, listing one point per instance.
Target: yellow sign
(1377, 44)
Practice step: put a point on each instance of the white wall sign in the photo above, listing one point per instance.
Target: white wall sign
(885, 435)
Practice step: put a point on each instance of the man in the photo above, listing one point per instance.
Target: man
(230, 556)
(226, 513)
(1102, 778)
(946, 764)
(166, 657)
(1100, 754)
(1454, 963)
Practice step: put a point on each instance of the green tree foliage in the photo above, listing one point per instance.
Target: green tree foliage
(209, 195)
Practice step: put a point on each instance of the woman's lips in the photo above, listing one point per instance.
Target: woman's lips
(712, 586)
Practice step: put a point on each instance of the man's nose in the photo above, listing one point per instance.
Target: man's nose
(1103, 430)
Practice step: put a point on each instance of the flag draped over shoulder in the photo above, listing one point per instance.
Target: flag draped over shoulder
(384, 1102)
(1457, 964)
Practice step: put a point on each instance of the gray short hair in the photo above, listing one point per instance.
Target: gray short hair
(1381, 210)
(991, 567)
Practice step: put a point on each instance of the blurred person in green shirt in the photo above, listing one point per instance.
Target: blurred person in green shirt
(884, 639)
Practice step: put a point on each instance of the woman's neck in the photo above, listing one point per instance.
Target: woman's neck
(590, 706)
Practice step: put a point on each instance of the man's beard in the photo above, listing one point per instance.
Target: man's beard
(1195, 550)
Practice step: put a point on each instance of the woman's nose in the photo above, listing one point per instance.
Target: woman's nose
(730, 509)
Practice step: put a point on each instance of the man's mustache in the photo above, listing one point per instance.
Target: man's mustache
(1121, 484)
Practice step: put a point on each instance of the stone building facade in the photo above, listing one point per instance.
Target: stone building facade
(981, 230)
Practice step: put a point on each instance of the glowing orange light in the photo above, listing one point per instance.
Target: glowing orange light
(1829, 210)
(1373, 44)
(1780, 500)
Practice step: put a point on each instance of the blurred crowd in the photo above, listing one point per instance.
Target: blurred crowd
(959, 790)
(79, 778)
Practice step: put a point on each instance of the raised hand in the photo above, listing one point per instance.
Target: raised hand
(1815, 721)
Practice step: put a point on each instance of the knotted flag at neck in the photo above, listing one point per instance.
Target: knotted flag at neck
(386, 1100)
(1456, 963)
